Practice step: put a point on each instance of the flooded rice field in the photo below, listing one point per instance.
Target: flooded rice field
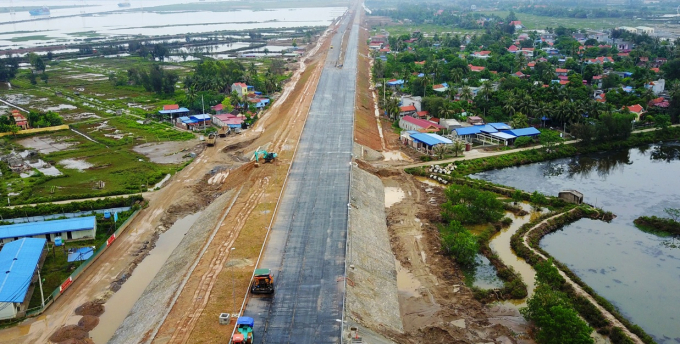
(104, 18)
(635, 270)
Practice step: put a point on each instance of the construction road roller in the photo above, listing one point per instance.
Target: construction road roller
(263, 282)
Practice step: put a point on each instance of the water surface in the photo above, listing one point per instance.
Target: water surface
(637, 271)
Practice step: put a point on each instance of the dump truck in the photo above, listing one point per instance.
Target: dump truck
(212, 138)
(223, 131)
(244, 331)
(263, 282)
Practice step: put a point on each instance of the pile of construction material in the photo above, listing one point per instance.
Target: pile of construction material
(437, 169)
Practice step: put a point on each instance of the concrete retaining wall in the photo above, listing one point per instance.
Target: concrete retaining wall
(372, 296)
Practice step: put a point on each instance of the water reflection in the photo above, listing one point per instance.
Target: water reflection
(665, 153)
(634, 270)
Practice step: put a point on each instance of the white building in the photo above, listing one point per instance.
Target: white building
(68, 229)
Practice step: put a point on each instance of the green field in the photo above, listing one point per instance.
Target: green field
(428, 29)
(535, 22)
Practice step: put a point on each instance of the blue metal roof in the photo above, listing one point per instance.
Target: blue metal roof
(396, 82)
(531, 131)
(468, 130)
(429, 140)
(172, 112)
(18, 259)
(20, 230)
(201, 118)
(500, 126)
(79, 254)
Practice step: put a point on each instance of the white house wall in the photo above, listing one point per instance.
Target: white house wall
(7, 310)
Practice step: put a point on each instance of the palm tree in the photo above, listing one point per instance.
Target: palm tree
(466, 93)
(458, 147)
(487, 88)
(510, 105)
(392, 107)
(456, 75)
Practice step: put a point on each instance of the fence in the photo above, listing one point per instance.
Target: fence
(77, 272)
(37, 130)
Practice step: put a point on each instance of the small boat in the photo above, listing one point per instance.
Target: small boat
(39, 11)
(124, 4)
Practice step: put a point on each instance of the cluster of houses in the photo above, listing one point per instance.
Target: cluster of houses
(545, 39)
(181, 118)
(23, 251)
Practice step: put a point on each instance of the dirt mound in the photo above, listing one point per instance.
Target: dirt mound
(88, 322)
(380, 172)
(236, 147)
(95, 308)
(69, 332)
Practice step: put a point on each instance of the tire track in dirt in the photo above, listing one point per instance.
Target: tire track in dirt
(186, 325)
(209, 279)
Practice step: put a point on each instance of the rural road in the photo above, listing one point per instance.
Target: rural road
(306, 249)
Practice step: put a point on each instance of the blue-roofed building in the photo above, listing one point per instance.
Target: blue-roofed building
(18, 261)
(68, 229)
(427, 140)
(173, 111)
(531, 132)
(500, 126)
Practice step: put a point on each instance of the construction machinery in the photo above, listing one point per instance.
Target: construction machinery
(244, 331)
(212, 138)
(223, 131)
(263, 282)
(264, 155)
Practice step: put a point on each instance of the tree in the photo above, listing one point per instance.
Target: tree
(470, 206)
(522, 141)
(556, 321)
(519, 120)
(548, 274)
(14, 129)
(662, 122)
(44, 77)
(459, 242)
(32, 79)
(538, 198)
(517, 196)
(549, 139)
(584, 132)
(440, 150)
(458, 147)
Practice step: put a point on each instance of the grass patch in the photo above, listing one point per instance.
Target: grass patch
(30, 38)
(535, 22)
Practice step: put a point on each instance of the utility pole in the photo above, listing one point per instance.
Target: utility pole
(42, 296)
(203, 107)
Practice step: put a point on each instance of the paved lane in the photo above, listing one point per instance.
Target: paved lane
(306, 249)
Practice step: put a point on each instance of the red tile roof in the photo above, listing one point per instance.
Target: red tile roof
(512, 48)
(483, 53)
(407, 108)
(421, 122)
(561, 70)
(475, 68)
(637, 108)
(171, 107)
(655, 70)
(422, 113)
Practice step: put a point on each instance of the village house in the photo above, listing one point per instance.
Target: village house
(173, 111)
(476, 68)
(485, 54)
(407, 110)
(240, 88)
(19, 261)
(636, 110)
(20, 120)
(417, 124)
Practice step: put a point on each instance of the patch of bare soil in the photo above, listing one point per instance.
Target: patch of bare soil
(172, 152)
(93, 308)
(88, 322)
(71, 334)
(435, 305)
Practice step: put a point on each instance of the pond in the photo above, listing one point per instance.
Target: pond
(638, 272)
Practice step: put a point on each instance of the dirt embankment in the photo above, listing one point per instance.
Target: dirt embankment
(435, 305)
(372, 297)
(365, 122)
(145, 315)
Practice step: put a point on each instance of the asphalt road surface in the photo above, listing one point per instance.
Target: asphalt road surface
(306, 248)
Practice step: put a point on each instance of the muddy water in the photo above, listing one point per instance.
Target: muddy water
(500, 245)
(393, 195)
(407, 284)
(636, 271)
(118, 306)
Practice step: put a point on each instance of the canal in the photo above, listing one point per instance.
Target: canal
(635, 270)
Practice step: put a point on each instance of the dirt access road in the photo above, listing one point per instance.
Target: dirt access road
(186, 193)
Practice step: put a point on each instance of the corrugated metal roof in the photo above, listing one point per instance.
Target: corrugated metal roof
(45, 227)
(201, 117)
(469, 130)
(504, 136)
(500, 126)
(167, 112)
(440, 138)
(18, 260)
(531, 131)
(429, 140)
